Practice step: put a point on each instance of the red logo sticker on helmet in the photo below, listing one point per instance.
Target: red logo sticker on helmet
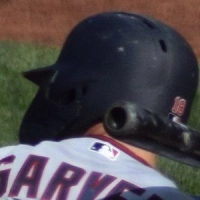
(179, 106)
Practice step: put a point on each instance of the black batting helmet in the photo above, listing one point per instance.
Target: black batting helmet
(107, 58)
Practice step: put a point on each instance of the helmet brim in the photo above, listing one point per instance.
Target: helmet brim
(38, 76)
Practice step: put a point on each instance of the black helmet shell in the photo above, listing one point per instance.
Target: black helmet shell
(107, 58)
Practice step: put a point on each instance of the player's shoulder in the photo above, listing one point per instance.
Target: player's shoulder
(167, 193)
(157, 193)
(6, 150)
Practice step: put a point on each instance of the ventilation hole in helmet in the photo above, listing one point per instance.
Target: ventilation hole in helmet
(84, 90)
(149, 24)
(163, 45)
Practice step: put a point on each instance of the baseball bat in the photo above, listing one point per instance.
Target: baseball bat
(125, 119)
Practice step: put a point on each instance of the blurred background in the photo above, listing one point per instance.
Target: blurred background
(48, 21)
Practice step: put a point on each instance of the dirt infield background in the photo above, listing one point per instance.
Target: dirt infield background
(49, 21)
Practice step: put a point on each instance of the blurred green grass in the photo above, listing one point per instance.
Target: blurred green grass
(16, 94)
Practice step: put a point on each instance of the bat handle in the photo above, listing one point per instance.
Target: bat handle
(126, 120)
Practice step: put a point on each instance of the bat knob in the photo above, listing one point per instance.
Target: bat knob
(121, 119)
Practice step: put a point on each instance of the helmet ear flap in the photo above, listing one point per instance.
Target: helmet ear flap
(38, 76)
(68, 95)
(63, 99)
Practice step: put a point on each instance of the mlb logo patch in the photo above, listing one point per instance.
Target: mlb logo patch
(105, 150)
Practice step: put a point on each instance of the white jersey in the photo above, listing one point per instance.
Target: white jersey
(75, 169)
